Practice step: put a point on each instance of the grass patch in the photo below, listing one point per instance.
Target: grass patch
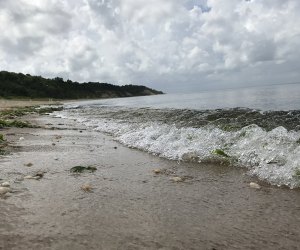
(2, 138)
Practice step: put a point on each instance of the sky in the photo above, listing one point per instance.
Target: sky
(171, 45)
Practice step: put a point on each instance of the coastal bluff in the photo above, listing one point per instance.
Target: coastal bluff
(18, 85)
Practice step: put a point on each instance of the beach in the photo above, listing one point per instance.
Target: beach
(133, 200)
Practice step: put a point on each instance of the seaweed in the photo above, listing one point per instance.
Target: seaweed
(46, 110)
(297, 173)
(8, 116)
(81, 169)
(220, 152)
(15, 123)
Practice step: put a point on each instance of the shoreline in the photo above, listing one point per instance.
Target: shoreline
(129, 206)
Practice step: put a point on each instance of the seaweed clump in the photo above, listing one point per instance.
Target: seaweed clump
(81, 169)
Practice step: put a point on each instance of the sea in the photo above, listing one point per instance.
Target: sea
(256, 128)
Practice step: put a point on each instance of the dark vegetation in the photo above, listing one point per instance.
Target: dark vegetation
(18, 85)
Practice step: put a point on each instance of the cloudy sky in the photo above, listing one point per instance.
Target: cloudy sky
(172, 45)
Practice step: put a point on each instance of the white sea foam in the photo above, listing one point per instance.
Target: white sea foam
(273, 156)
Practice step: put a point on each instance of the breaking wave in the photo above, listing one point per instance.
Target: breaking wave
(266, 143)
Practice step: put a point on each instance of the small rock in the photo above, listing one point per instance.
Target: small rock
(21, 138)
(39, 174)
(58, 137)
(254, 185)
(4, 190)
(5, 184)
(86, 188)
(53, 144)
(177, 179)
(28, 164)
(56, 159)
(157, 171)
(115, 147)
(80, 131)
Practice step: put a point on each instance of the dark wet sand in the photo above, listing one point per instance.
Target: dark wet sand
(130, 206)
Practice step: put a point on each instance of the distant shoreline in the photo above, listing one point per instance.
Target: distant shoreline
(18, 85)
(27, 102)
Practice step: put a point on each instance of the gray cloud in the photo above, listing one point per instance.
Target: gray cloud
(166, 44)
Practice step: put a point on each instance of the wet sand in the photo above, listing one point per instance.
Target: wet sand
(131, 207)
(4, 103)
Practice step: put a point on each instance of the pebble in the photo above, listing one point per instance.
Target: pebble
(157, 171)
(254, 185)
(4, 190)
(21, 138)
(5, 184)
(177, 179)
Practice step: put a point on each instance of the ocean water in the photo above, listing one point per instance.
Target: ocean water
(255, 128)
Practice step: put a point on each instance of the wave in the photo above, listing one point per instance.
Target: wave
(240, 137)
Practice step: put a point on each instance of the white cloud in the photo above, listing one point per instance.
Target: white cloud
(162, 43)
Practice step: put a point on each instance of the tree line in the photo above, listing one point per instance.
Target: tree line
(18, 85)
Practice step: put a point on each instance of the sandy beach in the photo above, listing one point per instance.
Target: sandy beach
(125, 204)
